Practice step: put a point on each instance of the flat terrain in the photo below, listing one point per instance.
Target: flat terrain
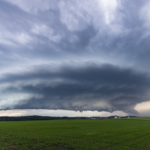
(106, 134)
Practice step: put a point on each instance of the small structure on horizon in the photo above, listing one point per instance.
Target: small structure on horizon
(116, 117)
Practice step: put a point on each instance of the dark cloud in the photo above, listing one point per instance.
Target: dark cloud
(93, 87)
(46, 36)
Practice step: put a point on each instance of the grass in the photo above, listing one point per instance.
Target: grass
(107, 134)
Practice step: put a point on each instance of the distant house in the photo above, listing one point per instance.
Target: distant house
(116, 117)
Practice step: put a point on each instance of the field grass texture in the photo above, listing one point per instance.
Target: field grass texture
(105, 134)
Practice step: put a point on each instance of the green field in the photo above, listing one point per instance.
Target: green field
(106, 134)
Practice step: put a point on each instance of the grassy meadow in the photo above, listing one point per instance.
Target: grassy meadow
(106, 134)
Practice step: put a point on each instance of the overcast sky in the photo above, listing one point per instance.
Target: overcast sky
(73, 57)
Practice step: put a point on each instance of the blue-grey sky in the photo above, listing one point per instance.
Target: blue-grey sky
(72, 56)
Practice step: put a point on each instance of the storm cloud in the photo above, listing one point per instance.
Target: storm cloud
(74, 55)
(88, 87)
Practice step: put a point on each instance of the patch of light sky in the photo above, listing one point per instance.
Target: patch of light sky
(143, 108)
(59, 113)
(109, 8)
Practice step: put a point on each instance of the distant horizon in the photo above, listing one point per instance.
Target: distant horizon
(62, 113)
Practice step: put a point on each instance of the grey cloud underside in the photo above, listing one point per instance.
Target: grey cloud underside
(93, 87)
(123, 39)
